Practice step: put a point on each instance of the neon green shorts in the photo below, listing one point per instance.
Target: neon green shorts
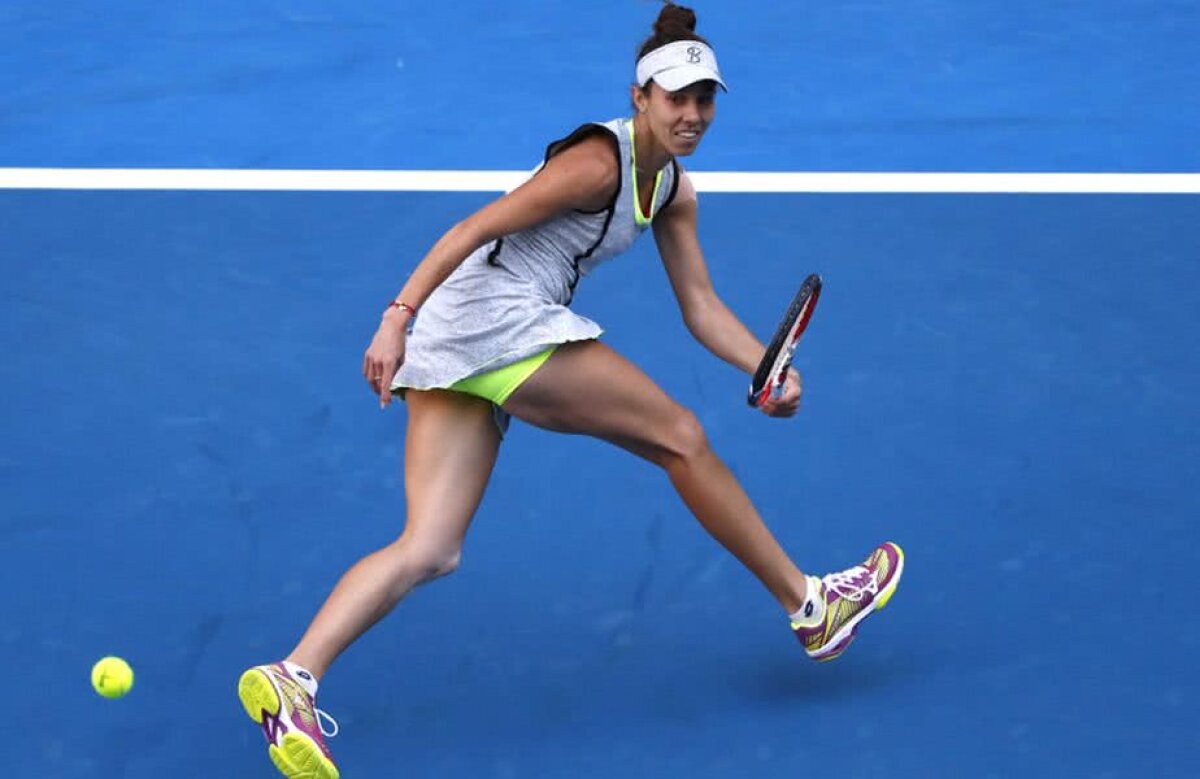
(499, 384)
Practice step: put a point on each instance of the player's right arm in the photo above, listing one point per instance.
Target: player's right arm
(583, 176)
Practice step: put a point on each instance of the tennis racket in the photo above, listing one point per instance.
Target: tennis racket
(772, 369)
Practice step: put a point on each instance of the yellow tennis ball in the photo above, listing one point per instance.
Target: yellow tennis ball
(112, 677)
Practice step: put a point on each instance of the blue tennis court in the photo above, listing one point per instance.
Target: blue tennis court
(1005, 384)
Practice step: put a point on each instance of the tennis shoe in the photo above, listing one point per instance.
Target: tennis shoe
(851, 596)
(290, 721)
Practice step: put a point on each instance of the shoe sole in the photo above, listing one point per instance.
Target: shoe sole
(296, 756)
(850, 629)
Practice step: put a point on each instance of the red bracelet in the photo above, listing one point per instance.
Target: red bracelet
(400, 304)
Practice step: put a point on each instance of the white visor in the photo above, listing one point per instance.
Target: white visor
(678, 64)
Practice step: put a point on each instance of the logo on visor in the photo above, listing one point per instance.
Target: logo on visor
(694, 53)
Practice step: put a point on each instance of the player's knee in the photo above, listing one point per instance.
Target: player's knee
(424, 562)
(685, 437)
(436, 563)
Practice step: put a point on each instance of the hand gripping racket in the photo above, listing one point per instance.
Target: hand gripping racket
(772, 369)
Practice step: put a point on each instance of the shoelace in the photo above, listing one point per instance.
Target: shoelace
(852, 583)
(326, 733)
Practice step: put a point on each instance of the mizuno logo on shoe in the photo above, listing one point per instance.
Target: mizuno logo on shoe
(273, 727)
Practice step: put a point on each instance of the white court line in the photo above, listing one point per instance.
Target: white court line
(504, 180)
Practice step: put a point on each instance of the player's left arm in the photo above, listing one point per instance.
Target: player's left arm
(707, 317)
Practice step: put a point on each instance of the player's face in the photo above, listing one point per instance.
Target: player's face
(679, 119)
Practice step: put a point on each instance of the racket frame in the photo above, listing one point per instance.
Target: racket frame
(772, 370)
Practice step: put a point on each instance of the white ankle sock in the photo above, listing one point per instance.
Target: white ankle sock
(812, 611)
(303, 676)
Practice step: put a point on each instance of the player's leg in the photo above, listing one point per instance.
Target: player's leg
(588, 388)
(450, 448)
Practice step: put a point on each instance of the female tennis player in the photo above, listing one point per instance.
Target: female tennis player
(482, 331)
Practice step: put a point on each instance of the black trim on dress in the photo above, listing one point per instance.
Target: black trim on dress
(674, 186)
(608, 210)
(493, 257)
(580, 133)
(555, 147)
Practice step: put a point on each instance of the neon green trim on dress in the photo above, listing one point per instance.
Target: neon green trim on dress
(641, 220)
(499, 384)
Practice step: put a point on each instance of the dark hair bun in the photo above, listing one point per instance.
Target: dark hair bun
(675, 21)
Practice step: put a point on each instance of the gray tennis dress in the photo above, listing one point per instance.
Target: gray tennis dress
(509, 299)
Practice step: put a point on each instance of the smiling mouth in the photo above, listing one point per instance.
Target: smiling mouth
(689, 135)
